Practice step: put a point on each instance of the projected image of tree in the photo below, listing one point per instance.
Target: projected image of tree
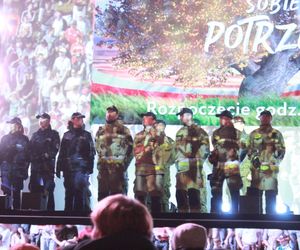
(198, 43)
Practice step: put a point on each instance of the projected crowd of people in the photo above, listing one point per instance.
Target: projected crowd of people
(47, 55)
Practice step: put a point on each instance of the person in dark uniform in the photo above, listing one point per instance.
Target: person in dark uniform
(76, 160)
(225, 160)
(44, 145)
(14, 162)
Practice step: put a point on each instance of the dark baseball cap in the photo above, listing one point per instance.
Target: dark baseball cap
(77, 115)
(185, 110)
(113, 108)
(225, 113)
(266, 112)
(161, 121)
(43, 116)
(148, 114)
(15, 120)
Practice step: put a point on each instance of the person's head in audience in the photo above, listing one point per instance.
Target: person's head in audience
(24, 246)
(189, 236)
(118, 213)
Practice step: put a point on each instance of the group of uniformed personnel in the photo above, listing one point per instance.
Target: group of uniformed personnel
(154, 153)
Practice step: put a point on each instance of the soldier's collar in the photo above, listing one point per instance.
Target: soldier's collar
(185, 125)
(112, 122)
(269, 126)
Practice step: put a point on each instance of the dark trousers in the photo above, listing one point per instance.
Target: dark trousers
(216, 201)
(270, 196)
(77, 193)
(44, 184)
(12, 188)
(270, 201)
(234, 183)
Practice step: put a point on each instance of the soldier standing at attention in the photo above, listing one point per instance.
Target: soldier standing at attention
(239, 124)
(164, 155)
(14, 162)
(76, 161)
(225, 160)
(114, 148)
(43, 145)
(149, 176)
(266, 150)
(191, 150)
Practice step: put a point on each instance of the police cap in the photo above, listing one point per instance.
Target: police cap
(266, 112)
(43, 116)
(148, 114)
(77, 115)
(185, 110)
(15, 120)
(113, 108)
(225, 113)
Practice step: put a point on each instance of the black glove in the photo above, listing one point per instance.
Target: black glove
(58, 174)
(213, 157)
(256, 162)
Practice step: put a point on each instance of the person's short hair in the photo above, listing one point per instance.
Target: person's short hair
(118, 213)
(189, 236)
(238, 119)
(24, 246)
(161, 122)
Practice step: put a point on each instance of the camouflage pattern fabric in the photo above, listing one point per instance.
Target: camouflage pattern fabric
(266, 150)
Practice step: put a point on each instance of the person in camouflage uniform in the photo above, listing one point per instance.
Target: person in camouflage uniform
(114, 148)
(44, 145)
(149, 181)
(191, 150)
(14, 162)
(225, 160)
(266, 150)
(164, 157)
(239, 124)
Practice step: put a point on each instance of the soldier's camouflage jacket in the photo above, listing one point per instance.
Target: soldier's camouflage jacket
(114, 145)
(267, 145)
(163, 153)
(226, 143)
(226, 140)
(192, 147)
(152, 152)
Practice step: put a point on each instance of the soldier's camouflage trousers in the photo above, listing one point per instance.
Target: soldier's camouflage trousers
(167, 193)
(111, 180)
(234, 183)
(188, 184)
(152, 185)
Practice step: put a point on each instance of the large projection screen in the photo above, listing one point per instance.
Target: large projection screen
(66, 56)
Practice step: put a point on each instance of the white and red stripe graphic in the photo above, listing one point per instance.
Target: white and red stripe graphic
(109, 79)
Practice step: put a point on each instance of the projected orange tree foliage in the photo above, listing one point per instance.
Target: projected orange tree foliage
(165, 38)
